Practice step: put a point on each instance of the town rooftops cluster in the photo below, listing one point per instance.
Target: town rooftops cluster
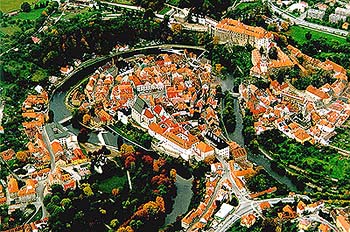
(322, 109)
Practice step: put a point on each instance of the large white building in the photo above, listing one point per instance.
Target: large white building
(233, 31)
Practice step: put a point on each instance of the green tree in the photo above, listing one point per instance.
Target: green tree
(39, 75)
(308, 35)
(25, 7)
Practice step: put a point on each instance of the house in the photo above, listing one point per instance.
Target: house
(147, 118)
(224, 211)
(137, 110)
(342, 11)
(301, 207)
(324, 228)
(343, 223)
(335, 18)
(28, 192)
(8, 154)
(12, 187)
(55, 131)
(61, 178)
(66, 70)
(203, 150)
(239, 154)
(3, 198)
(317, 94)
(221, 147)
(315, 14)
(264, 205)
(248, 220)
(304, 224)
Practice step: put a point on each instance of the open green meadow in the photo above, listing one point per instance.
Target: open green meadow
(298, 33)
(11, 5)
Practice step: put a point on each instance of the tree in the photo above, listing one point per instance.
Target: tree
(114, 223)
(273, 53)
(51, 116)
(21, 156)
(127, 149)
(39, 75)
(86, 119)
(120, 142)
(25, 7)
(87, 189)
(308, 35)
(83, 136)
(125, 229)
(115, 191)
(173, 174)
(209, 159)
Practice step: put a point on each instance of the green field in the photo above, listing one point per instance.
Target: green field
(11, 5)
(9, 30)
(33, 14)
(298, 34)
(164, 10)
(111, 183)
(173, 2)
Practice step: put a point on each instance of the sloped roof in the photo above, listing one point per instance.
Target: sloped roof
(139, 105)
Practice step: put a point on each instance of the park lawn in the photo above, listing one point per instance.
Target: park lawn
(9, 30)
(32, 15)
(173, 2)
(164, 10)
(125, 2)
(11, 5)
(340, 167)
(114, 182)
(243, 5)
(298, 34)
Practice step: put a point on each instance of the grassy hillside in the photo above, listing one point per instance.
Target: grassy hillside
(11, 5)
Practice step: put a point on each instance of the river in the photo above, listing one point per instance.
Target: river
(182, 199)
(259, 159)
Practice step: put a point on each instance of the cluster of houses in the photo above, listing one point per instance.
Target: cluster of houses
(45, 140)
(171, 96)
(311, 115)
(318, 11)
(288, 212)
(213, 208)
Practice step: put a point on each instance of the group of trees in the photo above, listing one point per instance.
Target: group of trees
(153, 185)
(228, 113)
(142, 208)
(135, 134)
(315, 161)
(261, 181)
(318, 79)
(212, 8)
(252, 13)
(235, 60)
(322, 48)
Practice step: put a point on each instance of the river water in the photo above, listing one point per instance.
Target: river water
(257, 159)
(182, 199)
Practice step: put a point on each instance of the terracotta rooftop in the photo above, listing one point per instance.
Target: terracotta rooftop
(203, 147)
